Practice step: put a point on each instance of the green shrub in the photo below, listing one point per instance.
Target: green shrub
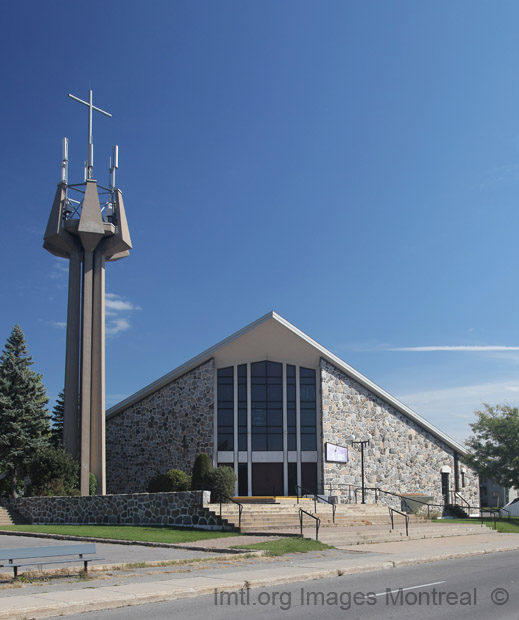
(52, 471)
(180, 481)
(221, 482)
(201, 469)
(172, 480)
(92, 484)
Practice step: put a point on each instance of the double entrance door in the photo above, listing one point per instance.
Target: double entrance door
(267, 478)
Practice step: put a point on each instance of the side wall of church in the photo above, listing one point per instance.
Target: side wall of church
(402, 457)
(165, 430)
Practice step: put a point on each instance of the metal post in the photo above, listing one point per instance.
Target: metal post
(362, 470)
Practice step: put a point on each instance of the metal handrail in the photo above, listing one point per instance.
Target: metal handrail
(458, 495)
(239, 504)
(317, 498)
(393, 510)
(302, 489)
(505, 510)
(339, 487)
(317, 522)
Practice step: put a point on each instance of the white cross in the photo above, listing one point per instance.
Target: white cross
(91, 107)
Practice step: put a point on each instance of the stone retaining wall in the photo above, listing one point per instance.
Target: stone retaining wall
(183, 509)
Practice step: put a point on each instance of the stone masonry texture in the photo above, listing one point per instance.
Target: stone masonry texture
(183, 509)
(165, 430)
(402, 457)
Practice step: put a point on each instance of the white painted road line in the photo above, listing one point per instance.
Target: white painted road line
(424, 585)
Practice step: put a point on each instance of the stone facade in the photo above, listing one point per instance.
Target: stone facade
(179, 509)
(165, 430)
(402, 457)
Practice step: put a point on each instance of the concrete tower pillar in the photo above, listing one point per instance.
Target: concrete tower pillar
(79, 232)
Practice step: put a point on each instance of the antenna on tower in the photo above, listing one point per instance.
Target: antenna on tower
(114, 164)
(64, 161)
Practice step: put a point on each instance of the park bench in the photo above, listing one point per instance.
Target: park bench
(39, 556)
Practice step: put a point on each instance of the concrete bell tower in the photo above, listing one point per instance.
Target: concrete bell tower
(87, 226)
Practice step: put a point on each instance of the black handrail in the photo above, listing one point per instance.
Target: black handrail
(317, 522)
(458, 495)
(393, 510)
(505, 510)
(317, 498)
(239, 504)
(302, 489)
(339, 487)
(221, 495)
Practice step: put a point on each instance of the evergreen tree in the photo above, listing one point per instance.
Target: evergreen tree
(24, 420)
(57, 415)
(201, 469)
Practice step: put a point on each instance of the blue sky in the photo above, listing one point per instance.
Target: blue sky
(353, 166)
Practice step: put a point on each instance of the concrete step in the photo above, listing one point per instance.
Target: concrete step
(369, 536)
(10, 517)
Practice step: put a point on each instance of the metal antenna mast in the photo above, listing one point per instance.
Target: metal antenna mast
(90, 153)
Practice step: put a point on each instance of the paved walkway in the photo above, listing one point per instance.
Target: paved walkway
(120, 589)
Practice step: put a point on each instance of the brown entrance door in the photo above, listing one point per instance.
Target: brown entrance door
(309, 477)
(267, 479)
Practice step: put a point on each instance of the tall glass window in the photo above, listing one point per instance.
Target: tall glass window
(225, 408)
(291, 408)
(267, 406)
(308, 408)
(242, 407)
(266, 413)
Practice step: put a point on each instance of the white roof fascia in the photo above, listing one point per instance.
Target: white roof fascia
(328, 355)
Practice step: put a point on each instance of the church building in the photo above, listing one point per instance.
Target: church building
(282, 411)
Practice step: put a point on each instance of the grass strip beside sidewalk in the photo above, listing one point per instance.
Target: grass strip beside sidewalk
(286, 545)
(504, 525)
(140, 533)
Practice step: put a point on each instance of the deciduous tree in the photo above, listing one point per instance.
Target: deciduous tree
(494, 446)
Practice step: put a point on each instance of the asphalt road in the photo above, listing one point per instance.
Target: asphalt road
(479, 587)
(112, 553)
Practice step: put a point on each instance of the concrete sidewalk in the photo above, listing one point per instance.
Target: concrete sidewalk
(46, 600)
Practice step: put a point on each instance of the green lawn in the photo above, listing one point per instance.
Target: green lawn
(287, 545)
(506, 526)
(127, 532)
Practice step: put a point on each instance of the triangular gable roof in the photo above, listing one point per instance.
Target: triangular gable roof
(323, 352)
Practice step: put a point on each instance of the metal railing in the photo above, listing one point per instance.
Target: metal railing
(223, 495)
(406, 517)
(239, 504)
(457, 496)
(317, 522)
(317, 498)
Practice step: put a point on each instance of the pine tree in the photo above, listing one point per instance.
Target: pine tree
(24, 420)
(57, 416)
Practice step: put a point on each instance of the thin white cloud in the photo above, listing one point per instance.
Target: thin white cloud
(117, 313)
(59, 269)
(117, 325)
(60, 324)
(456, 348)
(452, 409)
(114, 303)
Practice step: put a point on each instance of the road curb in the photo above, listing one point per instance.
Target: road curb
(58, 608)
(118, 541)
